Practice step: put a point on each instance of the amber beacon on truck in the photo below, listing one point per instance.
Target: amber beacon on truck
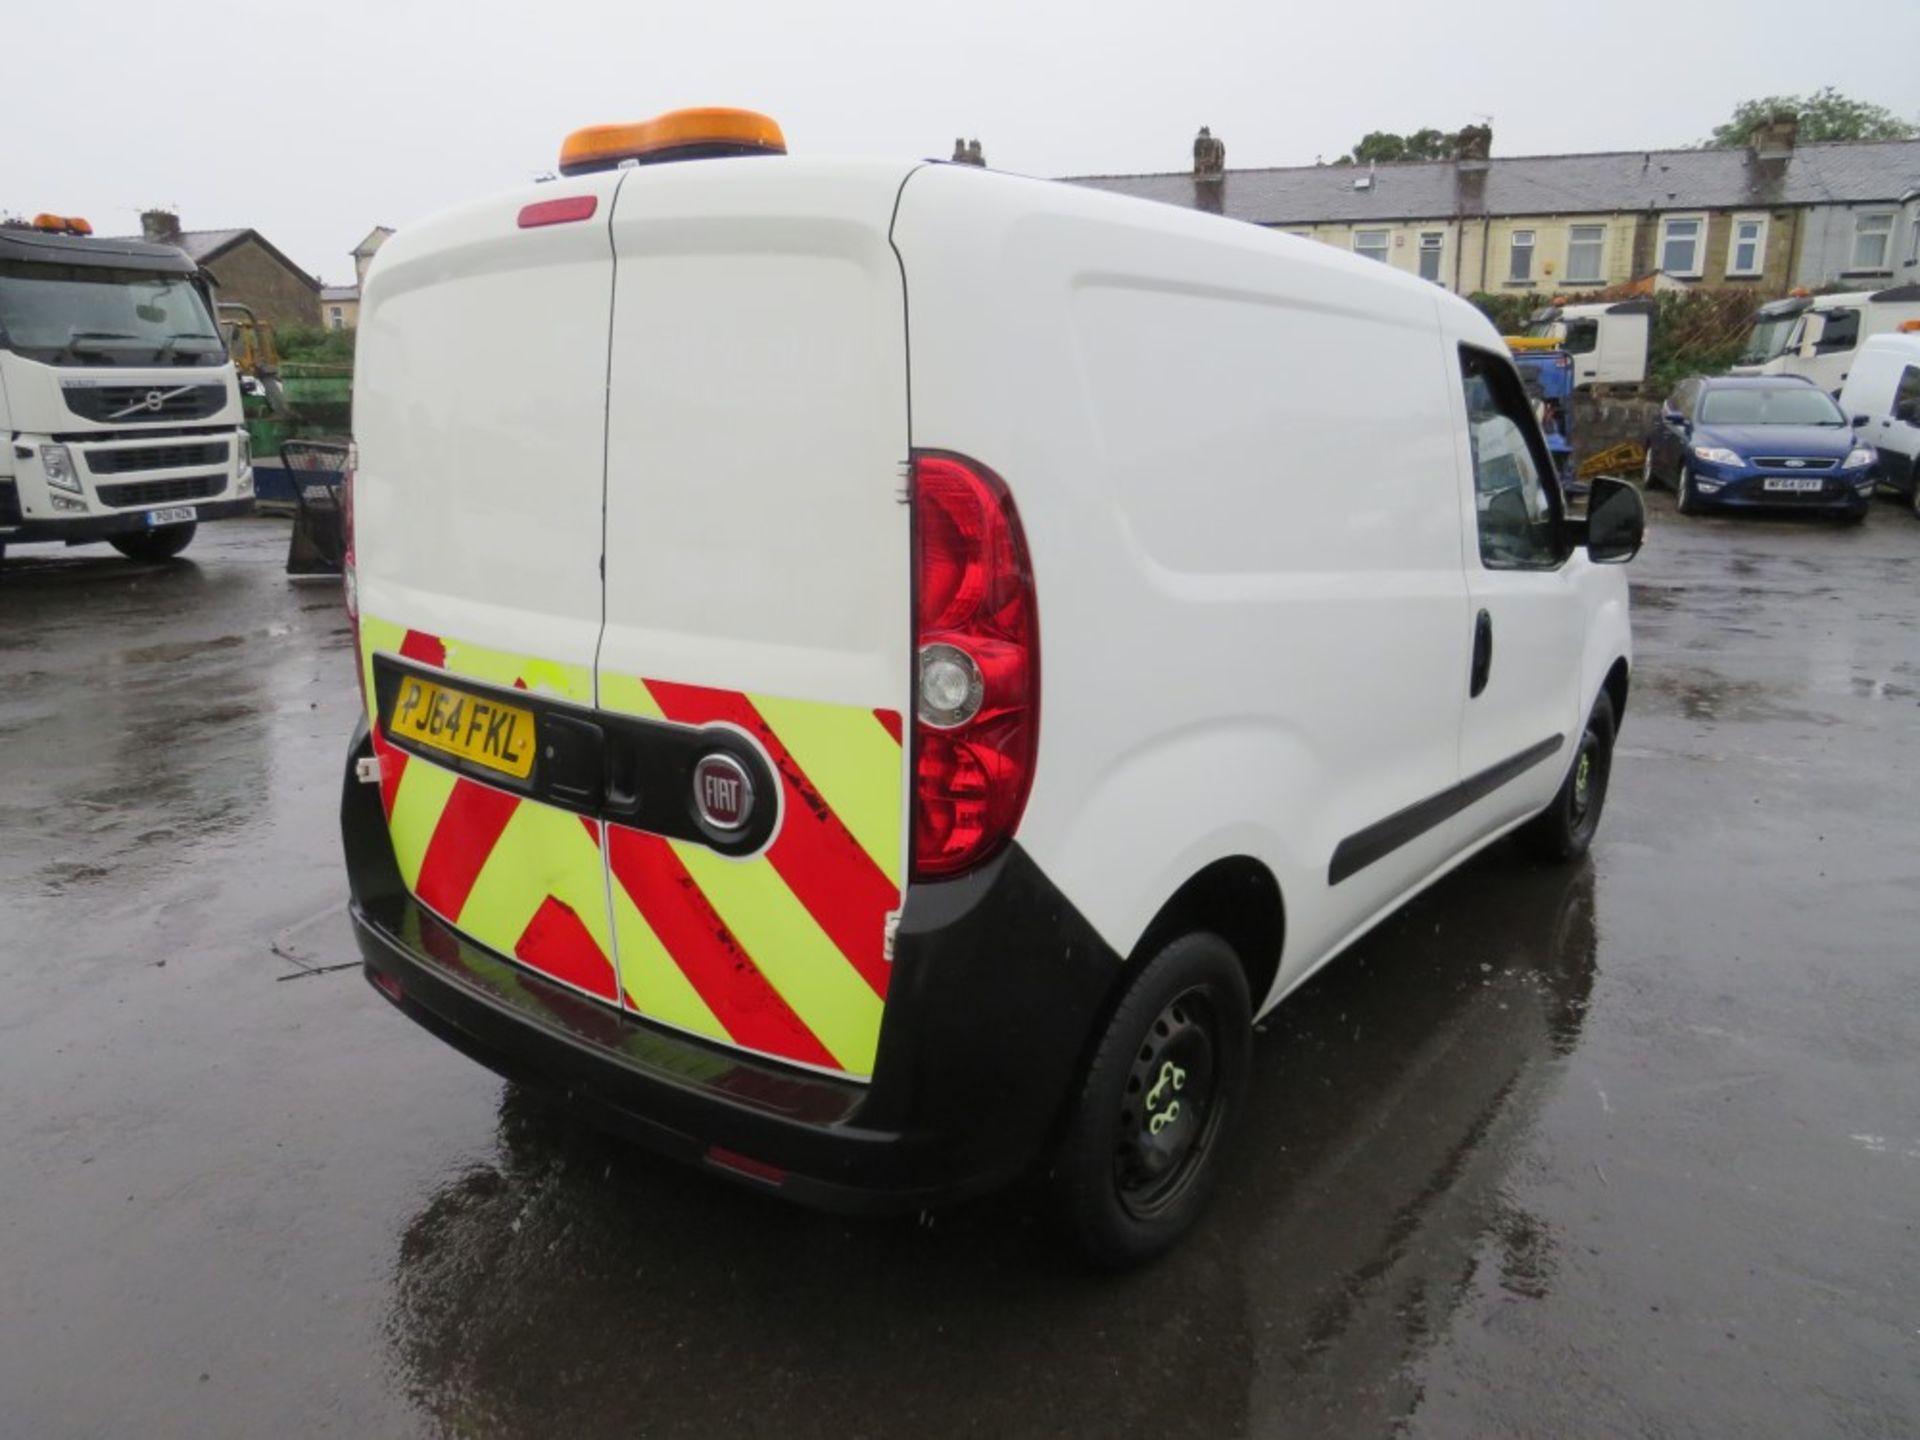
(877, 673)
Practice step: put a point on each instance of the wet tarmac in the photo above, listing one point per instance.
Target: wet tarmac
(1629, 1149)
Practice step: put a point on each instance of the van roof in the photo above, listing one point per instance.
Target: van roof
(1907, 344)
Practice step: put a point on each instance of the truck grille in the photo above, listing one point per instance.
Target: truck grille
(138, 405)
(160, 492)
(1792, 462)
(156, 457)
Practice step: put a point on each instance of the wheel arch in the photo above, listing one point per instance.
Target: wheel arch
(1237, 898)
(1615, 686)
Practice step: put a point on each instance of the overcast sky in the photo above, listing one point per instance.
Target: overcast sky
(313, 123)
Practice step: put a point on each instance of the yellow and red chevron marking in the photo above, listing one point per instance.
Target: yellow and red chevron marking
(523, 879)
(783, 954)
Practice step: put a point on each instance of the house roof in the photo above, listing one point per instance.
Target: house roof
(1605, 182)
(207, 245)
(339, 292)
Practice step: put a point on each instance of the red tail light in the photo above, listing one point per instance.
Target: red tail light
(977, 682)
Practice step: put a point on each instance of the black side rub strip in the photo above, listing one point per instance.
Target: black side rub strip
(1383, 837)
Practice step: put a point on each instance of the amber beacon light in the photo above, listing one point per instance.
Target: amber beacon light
(697, 134)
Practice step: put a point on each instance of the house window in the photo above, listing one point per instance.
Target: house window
(336, 317)
(1586, 250)
(1913, 245)
(1371, 243)
(1520, 256)
(1682, 241)
(1872, 241)
(1430, 242)
(1747, 250)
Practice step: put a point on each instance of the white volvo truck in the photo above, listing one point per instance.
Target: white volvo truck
(120, 407)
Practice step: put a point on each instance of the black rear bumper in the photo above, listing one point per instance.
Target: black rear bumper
(89, 528)
(997, 985)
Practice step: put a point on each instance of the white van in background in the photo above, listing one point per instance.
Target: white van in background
(1882, 400)
(1827, 336)
(974, 644)
(1608, 342)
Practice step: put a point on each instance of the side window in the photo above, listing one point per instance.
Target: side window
(1841, 332)
(1689, 397)
(1906, 399)
(1583, 337)
(1514, 496)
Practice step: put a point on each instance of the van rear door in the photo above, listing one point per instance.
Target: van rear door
(758, 633)
(480, 415)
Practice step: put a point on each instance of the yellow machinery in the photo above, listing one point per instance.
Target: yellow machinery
(1624, 458)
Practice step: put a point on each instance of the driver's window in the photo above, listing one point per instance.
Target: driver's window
(1841, 332)
(1514, 496)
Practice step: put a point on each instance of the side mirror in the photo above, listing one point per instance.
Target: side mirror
(1616, 522)
(1860, 422)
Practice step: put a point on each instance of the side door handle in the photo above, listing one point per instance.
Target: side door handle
(1482, 654)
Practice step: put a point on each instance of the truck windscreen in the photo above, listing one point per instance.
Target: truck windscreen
(1769, 338)
(90, 315)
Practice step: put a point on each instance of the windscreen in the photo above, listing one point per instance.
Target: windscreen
(1781, 405)
(93, 315)
(1769, 338)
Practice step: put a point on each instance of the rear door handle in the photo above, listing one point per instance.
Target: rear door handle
(1482, 654)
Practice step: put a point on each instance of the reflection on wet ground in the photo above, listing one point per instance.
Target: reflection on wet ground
(1628, 1148)
(1438, 1037)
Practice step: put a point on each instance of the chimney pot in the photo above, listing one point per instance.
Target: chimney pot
(1774, 137)
(1209, 156)
(161, 227)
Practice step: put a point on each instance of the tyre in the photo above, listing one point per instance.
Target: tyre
(1647, 478)
(1687, 500)
(1913, 495)
(1564, 830)
(163, 542)
(1144, 1137)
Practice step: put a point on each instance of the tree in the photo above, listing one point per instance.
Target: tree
(1383, 147)
(1826, 114)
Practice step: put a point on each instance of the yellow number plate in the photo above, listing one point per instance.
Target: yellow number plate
(486, 732)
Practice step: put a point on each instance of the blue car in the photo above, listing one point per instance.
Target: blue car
(1760, 442)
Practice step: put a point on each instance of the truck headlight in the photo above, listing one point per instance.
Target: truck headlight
(56, 463)
(1714, 455)
(1857, 457)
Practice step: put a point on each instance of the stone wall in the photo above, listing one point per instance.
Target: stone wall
(1601, 423)
(255, 276)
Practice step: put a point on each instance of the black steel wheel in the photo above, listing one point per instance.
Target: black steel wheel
(1565, 829)
(1143, 1138)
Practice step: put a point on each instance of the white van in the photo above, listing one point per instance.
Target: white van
(877, 672)
(1608, 340)
(1825, 338)
(1882, 400)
